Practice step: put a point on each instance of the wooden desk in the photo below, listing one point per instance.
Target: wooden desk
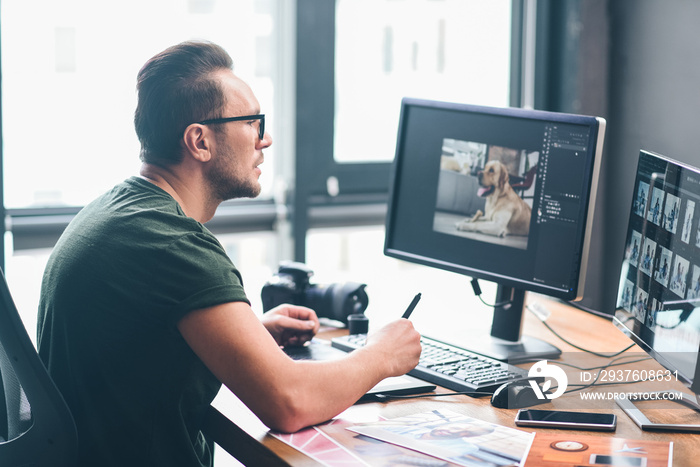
(238, 431)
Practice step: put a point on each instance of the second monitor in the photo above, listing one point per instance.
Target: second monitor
(500, 194)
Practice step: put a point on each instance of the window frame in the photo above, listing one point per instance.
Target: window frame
(363, 187)
(38, 228)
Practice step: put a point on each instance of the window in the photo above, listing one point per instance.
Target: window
(356, 59)
(69, 75)
(381, 51)
(68, 99)
(453, 50)
(69, 69)
(68, 96)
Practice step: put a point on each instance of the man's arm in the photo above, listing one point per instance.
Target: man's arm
(288, 395)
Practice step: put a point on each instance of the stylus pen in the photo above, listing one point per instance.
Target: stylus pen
(411, 307)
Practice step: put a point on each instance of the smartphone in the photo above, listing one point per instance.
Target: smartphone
(571, 420)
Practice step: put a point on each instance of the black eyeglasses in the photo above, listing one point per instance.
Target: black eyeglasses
(261, 117)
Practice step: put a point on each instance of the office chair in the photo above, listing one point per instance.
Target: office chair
(526, 183)
(36, 426)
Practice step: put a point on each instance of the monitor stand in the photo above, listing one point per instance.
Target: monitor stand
(506, 342)
(641, 420)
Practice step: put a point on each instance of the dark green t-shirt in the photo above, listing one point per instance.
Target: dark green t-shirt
(126, 270)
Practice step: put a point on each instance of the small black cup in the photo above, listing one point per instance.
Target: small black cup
(358, 323)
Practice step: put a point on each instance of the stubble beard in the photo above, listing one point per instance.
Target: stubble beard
(227, 179)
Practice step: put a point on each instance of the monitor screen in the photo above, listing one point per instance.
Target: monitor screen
(500, 194)
(660, 279)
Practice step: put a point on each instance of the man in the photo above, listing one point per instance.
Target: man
(143, 316)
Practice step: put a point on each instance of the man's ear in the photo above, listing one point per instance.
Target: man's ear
(197, 140)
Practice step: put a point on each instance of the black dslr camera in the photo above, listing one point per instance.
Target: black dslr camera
(335, 301)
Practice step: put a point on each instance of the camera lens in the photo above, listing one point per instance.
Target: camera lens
(337, 301)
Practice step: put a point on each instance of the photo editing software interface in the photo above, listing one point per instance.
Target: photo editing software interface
(660, 279)
(499, 194)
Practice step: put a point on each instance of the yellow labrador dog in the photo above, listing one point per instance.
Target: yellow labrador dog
(506, 213)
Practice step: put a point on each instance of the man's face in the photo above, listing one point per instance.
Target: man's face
(234, 171)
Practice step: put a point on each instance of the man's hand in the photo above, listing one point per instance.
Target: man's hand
(397, 344)
(291, 324)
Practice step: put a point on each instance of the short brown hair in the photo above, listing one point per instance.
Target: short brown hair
(176, 88)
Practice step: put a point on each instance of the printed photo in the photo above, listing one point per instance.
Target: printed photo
(556, 450)
(453, 437)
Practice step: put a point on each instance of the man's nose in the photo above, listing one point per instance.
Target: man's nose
(266, 141)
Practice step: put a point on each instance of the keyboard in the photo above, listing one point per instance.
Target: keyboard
(450, 366)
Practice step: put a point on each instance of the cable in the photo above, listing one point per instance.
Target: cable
(598, 354)
(495, 305)
(604, 366)
(615, 362)
(620, 383)
(477, 291)
(581, 387)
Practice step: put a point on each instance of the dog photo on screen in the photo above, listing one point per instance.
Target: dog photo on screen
(485, 192)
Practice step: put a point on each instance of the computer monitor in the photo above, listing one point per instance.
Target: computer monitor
(545, 164)
(660, 278)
